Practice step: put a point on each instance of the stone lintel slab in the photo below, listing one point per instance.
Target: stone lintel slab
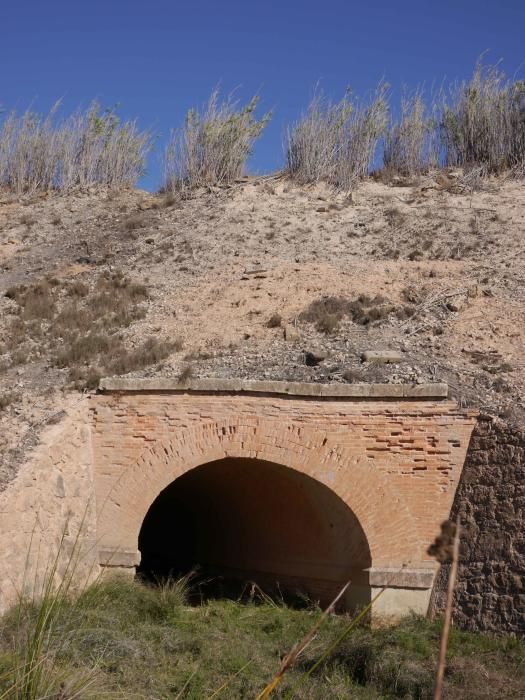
(388, 577)
(434, 391)
(120, 558)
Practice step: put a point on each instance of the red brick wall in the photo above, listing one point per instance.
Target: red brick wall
(396, 464)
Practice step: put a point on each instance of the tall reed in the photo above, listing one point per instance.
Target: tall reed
(89, 147)
(483, 122)
(214, 143)
(411, 143)
(336, 142)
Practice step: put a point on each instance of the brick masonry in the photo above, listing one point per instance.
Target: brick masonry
(394, 462)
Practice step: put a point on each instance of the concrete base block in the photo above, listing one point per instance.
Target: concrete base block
(397, 602)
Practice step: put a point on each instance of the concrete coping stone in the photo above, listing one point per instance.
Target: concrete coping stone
(118, 557)
(239, 386)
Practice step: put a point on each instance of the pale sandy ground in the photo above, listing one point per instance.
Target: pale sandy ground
(219, 265)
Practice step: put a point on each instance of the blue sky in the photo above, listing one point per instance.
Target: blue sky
(157, 58)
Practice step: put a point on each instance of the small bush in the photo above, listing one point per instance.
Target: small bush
(213, 145)
(133, 222)
(27, 220)
(328, 312)
(149, 352)
(186, 373)
(7, 399)
(274, 321)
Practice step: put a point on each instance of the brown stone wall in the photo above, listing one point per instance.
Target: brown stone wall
(490, 500)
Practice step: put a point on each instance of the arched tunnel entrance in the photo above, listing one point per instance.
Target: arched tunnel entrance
(251, 520)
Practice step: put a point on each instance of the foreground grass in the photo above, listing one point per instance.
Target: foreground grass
(141, 642)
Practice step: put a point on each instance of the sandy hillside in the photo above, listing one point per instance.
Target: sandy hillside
(261, 279)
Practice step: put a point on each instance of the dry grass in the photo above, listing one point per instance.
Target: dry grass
(213, 145)
(336, 142)
(90, 147)
(477, 124)
(275, 321)
(446, 548)
(80, 326)
(328, 312)
(483, 123)
(411, 144)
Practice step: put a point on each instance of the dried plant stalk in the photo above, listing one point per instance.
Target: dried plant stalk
(440, 673)
(294, 654)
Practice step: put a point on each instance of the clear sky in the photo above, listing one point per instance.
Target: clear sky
(156, 58)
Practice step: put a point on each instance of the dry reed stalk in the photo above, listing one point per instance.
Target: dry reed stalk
(213, 145)
(483, 123)
(411, 143)
(336, 142)
(352, 624)
(90, 147)
(440, 673)
(297, 650)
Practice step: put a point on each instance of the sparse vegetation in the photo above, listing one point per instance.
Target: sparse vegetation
(91, 147)
(80, 327)
(274, 321)
(328, 312)
(147, 353)
(213, 145)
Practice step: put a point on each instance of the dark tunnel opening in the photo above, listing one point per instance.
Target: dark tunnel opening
(236, 521)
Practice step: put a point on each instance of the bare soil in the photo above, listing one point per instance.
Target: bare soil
(261, 279)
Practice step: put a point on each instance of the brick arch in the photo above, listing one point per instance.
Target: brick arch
(382, 513)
